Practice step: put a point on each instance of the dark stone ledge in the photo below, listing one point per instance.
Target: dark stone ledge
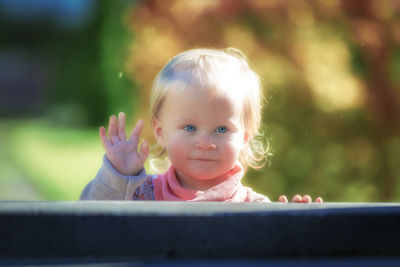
(131, 230)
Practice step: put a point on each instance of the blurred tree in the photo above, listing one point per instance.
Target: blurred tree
(371, 25)
(65, 59)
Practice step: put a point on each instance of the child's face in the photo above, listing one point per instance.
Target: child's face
(203, 135)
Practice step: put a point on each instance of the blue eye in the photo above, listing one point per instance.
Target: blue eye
(190, 128)
(221, 129)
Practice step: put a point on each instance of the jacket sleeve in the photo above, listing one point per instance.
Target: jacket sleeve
(111, 185)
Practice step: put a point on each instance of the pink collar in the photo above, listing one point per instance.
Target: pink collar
(167, 187)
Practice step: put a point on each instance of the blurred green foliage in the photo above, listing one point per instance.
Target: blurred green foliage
(56, 161)
(330, 70)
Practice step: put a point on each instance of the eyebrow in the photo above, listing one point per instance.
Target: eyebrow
(180, 122)
(185, 120)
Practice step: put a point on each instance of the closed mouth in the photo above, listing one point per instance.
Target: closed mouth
(205, 160)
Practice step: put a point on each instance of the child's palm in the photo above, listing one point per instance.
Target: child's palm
(122, 153)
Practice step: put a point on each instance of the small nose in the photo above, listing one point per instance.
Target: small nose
(205, 142)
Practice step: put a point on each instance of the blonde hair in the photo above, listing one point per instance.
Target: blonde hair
(224, 72)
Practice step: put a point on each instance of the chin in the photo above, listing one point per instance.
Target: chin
(204, 175)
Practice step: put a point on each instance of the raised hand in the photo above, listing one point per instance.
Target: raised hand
(300, 199)
(123, 153)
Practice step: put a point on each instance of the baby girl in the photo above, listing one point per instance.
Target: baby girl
(206, 116)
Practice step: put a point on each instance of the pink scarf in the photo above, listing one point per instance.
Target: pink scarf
(167, 187)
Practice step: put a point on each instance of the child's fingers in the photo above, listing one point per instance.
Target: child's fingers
(112, 129)
(283, 198)
(144, 151)
(121, 126)
(297, 198)
(307, 199)
(135, 136)
(103, 138)
(300, 199)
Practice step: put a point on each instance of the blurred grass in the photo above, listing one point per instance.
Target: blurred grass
(58, 162)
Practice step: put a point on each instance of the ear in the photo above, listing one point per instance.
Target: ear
(246, 137)
(158, 132)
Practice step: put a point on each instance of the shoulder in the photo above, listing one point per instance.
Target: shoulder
(146, 190)
(257, 198)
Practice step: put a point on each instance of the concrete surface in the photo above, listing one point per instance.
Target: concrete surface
(123, 231)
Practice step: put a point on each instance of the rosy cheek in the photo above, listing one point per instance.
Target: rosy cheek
(177, 148)
(233, 150)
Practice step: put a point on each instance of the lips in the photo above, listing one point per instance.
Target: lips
(203, 159)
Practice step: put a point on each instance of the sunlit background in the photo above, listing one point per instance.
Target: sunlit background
(330, 70)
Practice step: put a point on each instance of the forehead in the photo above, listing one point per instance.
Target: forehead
(206, 102)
